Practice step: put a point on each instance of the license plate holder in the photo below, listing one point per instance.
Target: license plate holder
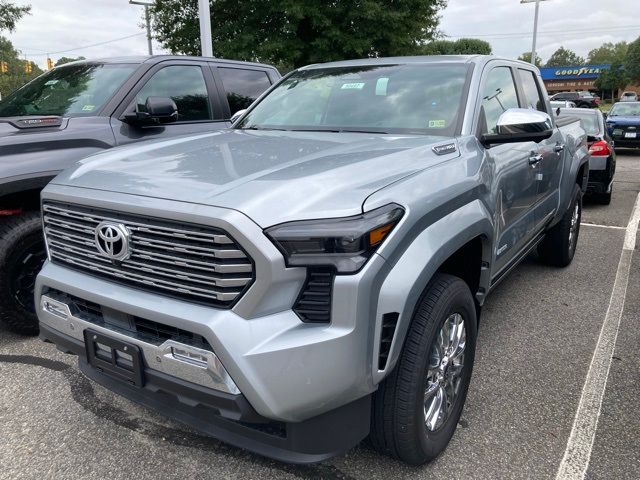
(630, 134)
(121, 360)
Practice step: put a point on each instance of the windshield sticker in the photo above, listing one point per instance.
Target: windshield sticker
(50, 82)
(352, 86)
(437, 123)
(381, 86)
(88, 108)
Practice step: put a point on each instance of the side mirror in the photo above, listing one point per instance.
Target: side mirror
(159, 110)
(237, 115)
(520, 125)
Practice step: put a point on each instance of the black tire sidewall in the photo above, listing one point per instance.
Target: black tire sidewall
(433, 443)
(17, 234)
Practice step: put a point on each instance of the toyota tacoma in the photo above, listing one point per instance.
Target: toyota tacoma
(314, 274)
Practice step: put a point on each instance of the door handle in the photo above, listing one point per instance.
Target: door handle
(535, 160)
(559, 147)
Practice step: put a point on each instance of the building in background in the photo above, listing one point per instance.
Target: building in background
(571, 79)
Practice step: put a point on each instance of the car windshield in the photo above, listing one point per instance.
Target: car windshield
(588, 121)
(72, 91)
(410, 98)
(625, 109)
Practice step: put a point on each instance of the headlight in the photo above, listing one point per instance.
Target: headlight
(344, 243)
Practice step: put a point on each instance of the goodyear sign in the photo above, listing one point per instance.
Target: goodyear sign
(573, 72)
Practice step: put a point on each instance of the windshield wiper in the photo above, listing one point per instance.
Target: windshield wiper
(258, 127)
(337, 130)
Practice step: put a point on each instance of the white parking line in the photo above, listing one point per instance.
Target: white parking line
(615, 227)
(577, 455)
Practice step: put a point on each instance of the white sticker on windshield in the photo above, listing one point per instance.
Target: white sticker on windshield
(381, 86)
(51, 82)
(88, 108)
(352, 86)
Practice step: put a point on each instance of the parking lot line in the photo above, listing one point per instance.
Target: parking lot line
(615, 227)
(577, 454)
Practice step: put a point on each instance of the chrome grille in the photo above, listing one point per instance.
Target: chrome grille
(196, 263)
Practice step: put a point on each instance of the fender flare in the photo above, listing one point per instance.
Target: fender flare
(435, 244)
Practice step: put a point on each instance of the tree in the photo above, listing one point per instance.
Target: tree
(463, 46)
(608, 53)
(16, 76)
(613, 79)
(63, 60)
(526, 57)
(632, 61)
(563, 57)
(291, 33)
(10, 14)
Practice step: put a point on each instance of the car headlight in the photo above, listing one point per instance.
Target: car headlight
(344, 243)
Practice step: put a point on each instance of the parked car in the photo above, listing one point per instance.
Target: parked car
(623, 124)
(602, 166)
(629, 97)
(562, 104)
(581, 99)
(316, 273)
(86, 107)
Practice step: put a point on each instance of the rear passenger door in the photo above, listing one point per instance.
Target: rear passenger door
(191, 86)
(549, 168)
(515, 182)
(240, 86)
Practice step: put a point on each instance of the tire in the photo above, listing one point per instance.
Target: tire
(559, 245)
(399, 415)
(22, 254)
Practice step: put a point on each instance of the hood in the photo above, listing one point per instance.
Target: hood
(623, 120)
(271, 176)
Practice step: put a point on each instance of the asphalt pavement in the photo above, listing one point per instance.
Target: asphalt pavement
(537, 337)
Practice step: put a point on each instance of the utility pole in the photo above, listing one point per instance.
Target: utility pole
(205, 28)
(147, 19)
(535, 28)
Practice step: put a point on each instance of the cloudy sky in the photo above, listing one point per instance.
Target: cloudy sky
(74, 27)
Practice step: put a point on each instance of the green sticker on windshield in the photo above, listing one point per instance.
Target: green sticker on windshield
(352, 86)
(437, 123)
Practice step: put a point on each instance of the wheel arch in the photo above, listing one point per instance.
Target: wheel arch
(450, 245)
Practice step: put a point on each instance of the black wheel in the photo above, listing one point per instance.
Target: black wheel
(559, 245)
(22, 254)
(417, 408)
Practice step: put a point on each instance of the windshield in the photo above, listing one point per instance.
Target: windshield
(588, 120)
(71, 91)
(625, 109)
(380, 99)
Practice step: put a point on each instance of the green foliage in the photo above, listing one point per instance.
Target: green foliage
(16, 77)
(292, 33)
(63, 60)
(563, 57)
(608, 53)
(613, 79)
(463, 46)
(526, 57)
(632, 61)
(10, 14)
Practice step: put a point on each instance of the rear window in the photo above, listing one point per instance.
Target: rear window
(242, 87)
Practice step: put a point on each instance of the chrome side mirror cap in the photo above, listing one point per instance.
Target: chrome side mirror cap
(520, 125)
(237, 115)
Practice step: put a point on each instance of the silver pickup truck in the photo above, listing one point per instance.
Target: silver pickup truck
(314, 274)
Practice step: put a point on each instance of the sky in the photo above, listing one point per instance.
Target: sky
(580, 25)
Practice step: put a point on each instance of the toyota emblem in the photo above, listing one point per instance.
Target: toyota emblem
(112, 240)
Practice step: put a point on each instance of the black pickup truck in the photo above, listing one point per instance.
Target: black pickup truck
(85, 107)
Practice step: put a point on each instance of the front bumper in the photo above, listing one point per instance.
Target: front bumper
(301, 376)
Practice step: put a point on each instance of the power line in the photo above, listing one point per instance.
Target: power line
(84, 46)
(547, 32)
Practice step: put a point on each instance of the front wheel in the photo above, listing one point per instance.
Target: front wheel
(559, 245)
(22, 254)
(417, 408)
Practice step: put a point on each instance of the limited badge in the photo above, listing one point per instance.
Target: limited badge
(444, 149)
